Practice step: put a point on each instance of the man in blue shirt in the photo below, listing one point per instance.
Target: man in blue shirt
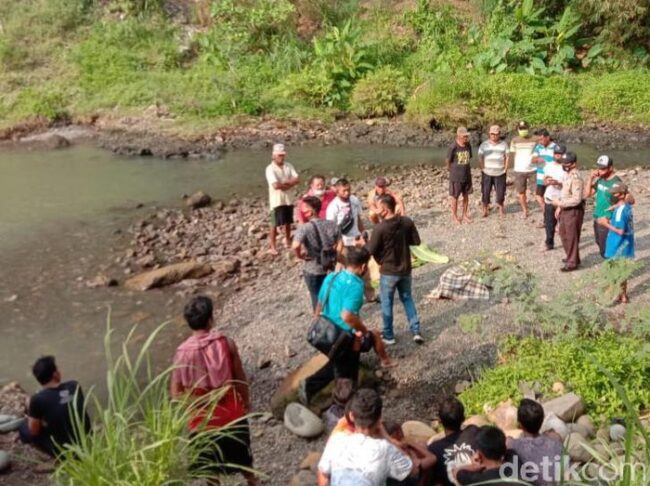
(542, 155)
(620, 238)
(342, 307)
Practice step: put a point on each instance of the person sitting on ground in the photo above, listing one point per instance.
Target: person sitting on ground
(489, 456)
(344, 292)
(381, 188)
(314, 242)
(460, 176)
(536, 448)
(50, 424)
(343, 391)
(316, 189)
(419, 454)
(367, 456)
(620, 239)
(205, 363)
(452, 415)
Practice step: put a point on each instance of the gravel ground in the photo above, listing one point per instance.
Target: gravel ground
(269, 315)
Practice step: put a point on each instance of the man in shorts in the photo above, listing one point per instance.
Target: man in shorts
(281, 176)
(493, 159)
(460, 177)
(521, 159)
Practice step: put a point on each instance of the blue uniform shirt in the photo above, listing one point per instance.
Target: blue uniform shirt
(621, 246)
(346, 295)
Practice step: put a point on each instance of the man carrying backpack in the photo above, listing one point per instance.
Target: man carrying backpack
(317, 242)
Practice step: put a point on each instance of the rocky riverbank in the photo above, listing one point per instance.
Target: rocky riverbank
(149, 135)
(265, 306)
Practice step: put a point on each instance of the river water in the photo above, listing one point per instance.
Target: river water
(61, 213)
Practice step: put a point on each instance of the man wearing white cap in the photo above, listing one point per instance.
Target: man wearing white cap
(281, 177)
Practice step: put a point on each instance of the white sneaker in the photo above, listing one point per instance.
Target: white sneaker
(418, 339)
(388, 342)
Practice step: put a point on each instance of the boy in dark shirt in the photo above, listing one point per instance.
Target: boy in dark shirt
(460, 177)
(50, 424)
(452, 416)
(490, 455)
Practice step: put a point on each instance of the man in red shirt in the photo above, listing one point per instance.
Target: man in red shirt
(316, 188)
(208, 362)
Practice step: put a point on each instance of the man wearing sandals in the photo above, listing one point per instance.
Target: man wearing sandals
(281, 176)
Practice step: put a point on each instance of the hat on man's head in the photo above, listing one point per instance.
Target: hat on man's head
(495, 129)
(334, 180)
(618, 188)
(543, 133)
(569, 158)
(278, 149)
(560, 148)
(461, 131)
(382, 182)
(522, 125)
(604, 162)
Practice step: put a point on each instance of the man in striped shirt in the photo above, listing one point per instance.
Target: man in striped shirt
(493, 160)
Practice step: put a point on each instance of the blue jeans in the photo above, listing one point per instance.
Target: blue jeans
(387, 286)
(314, 283)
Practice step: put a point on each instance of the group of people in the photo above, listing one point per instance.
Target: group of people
(336, 251)
(365, 449)
(550, 172)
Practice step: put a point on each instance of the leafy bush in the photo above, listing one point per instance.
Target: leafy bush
(567, 360)
(50, 105)
(621, 97)
(381, 93)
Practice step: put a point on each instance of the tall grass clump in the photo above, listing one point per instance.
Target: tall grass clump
(139, 435)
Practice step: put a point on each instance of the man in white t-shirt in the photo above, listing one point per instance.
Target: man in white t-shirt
(521, 153)
(493, 159)
(554, 175)
(281, 176)
(367, 456)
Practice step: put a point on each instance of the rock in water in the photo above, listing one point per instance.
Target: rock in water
(5, 461)
(101, 281)
(302, 421)
(198, 200)
(168, 275)
(568, 407)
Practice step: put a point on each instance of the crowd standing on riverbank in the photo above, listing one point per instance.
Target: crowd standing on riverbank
(336, 251)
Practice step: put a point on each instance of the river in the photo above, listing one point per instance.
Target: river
(62, 218)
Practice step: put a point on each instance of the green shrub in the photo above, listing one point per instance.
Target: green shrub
(498, 98)
(32, 102)
(566, 360)
(621, 97)
(381, 93)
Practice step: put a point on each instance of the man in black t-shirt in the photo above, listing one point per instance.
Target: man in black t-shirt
(390, 246)
(460, 177)
(50, 424)
(452, 415)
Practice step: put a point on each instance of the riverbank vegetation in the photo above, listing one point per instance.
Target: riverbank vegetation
(563, 62)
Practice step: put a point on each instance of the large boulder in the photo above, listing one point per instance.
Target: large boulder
(198, 200)
(568, 407)
(168, 275)
(504, 416)
(576, 446)
(417, 431)
(555, 424)
(302, 421)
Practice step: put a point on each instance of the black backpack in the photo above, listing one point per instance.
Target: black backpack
(326, 255)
